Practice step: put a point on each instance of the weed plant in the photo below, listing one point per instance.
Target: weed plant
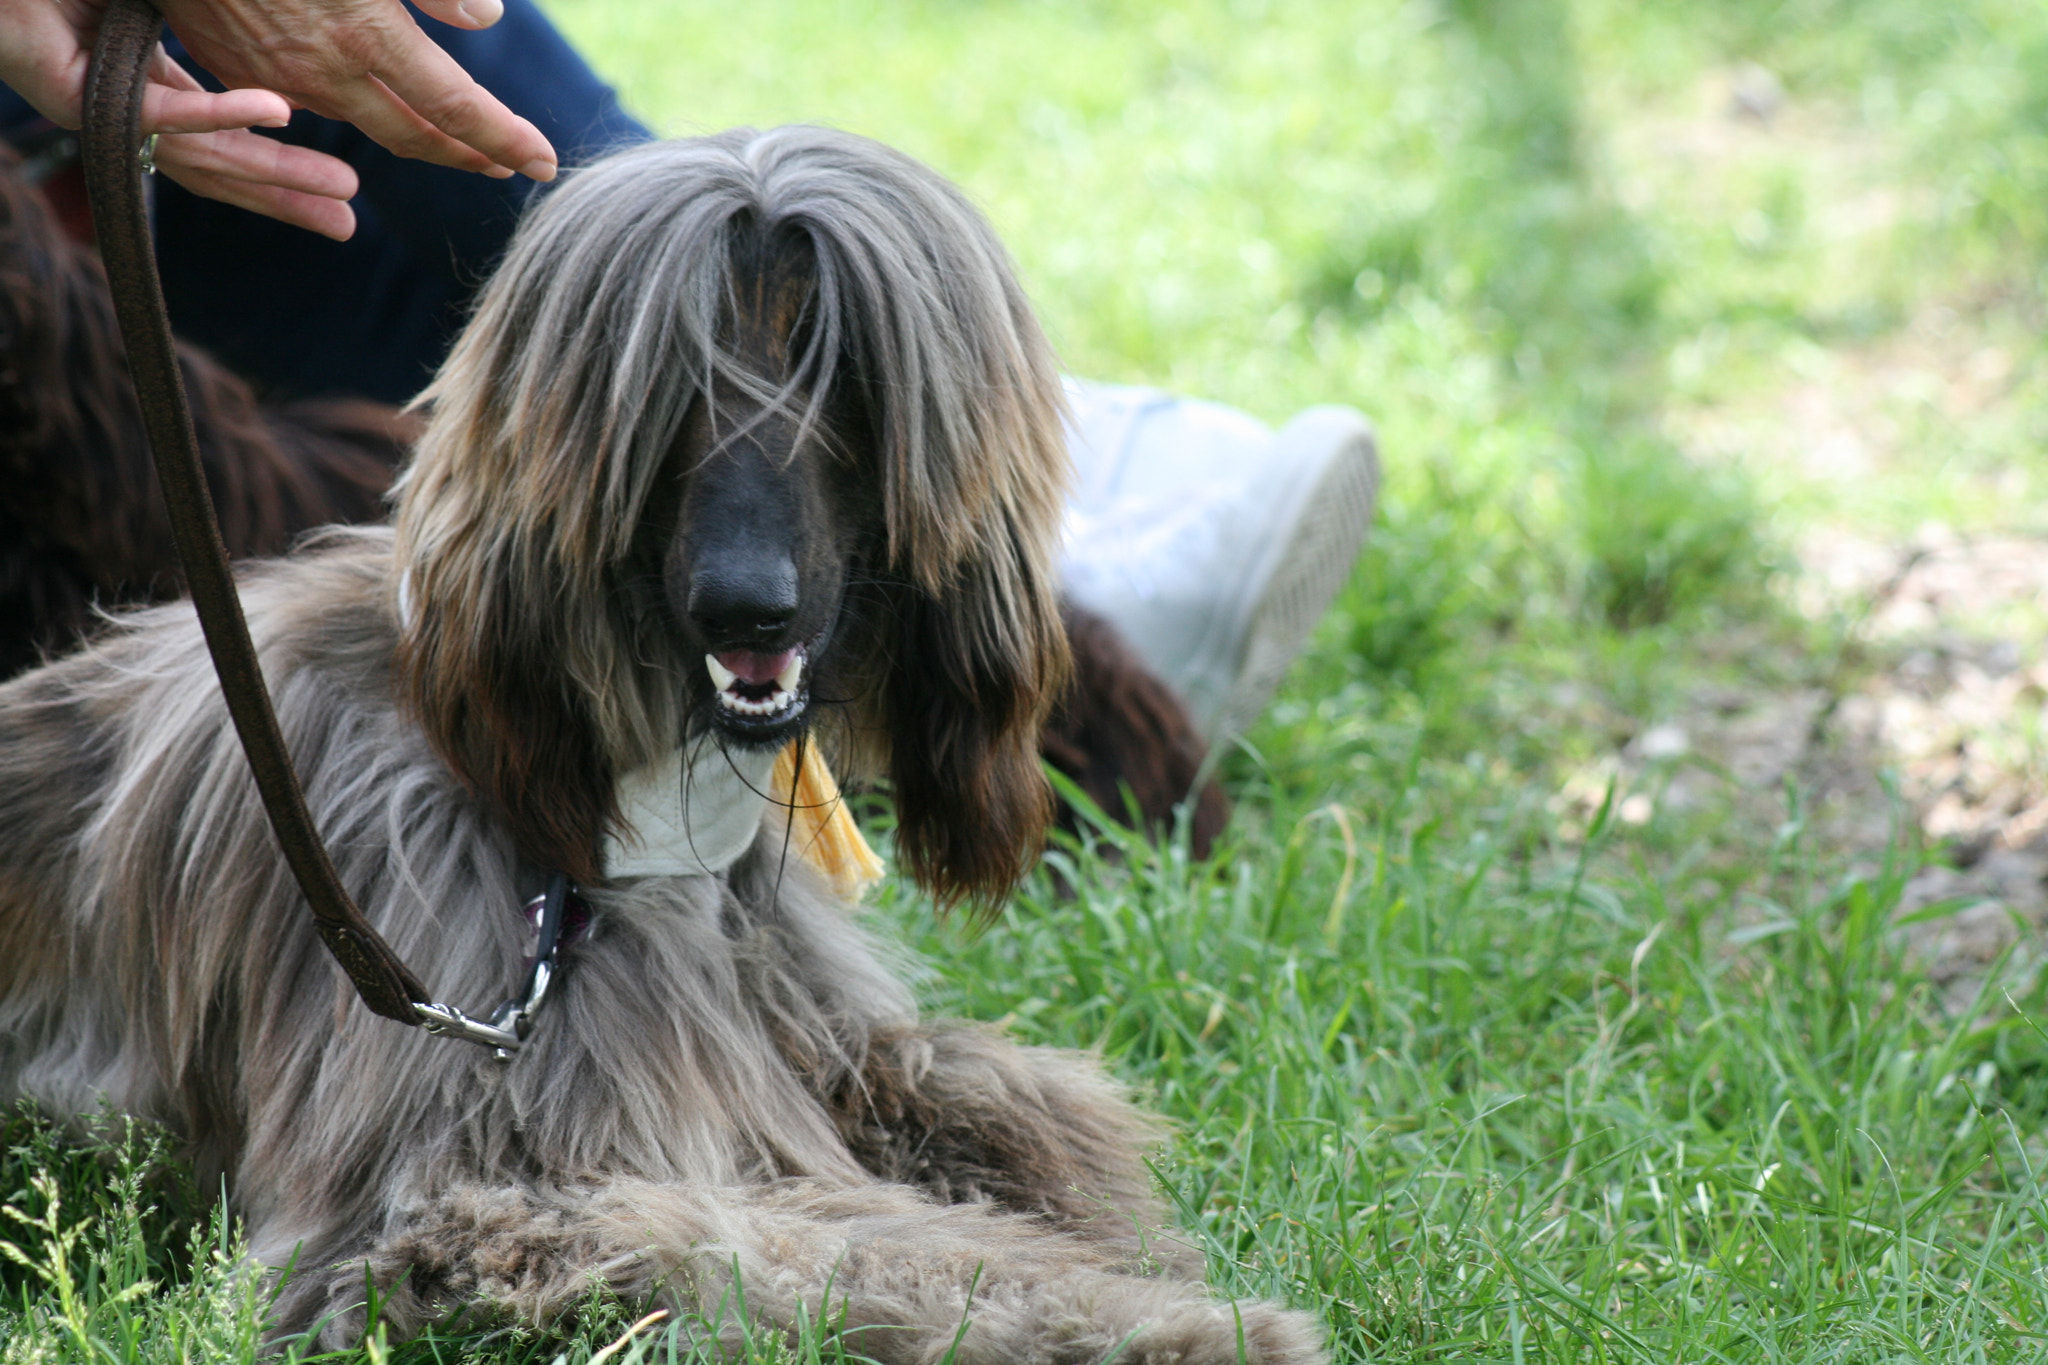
(1473, 1068)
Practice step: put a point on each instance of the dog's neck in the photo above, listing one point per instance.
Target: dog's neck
(692, 812)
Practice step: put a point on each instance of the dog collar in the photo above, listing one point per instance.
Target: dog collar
(691, 813)
(681, 816)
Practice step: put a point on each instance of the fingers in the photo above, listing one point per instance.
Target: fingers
(43, 58)
(197, 111)
(245, 156)
(445, 105)
(203, 150)
(292, 184)
(328, 217)
(369, 63)
(396, 125)
(173, 101)
(464, 13)
(430, 104)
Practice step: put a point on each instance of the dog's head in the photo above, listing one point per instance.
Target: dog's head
(79, 511)
(752, 436)
(34, 260)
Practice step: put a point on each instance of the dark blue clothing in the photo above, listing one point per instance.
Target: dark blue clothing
(373, 316)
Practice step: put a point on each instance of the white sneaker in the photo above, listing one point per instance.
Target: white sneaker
(1213, 543)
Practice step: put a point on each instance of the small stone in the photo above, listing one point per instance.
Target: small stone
(1755, 92)
(1660, 742)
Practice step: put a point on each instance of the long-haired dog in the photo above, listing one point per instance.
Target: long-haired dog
(80, 520)
(753, 440)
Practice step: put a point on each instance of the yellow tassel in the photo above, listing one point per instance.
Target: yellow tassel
(823, 832)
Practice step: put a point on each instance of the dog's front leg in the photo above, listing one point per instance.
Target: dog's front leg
(898, 1277)
(967, 1115)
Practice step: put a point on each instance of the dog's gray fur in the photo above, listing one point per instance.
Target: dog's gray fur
(730, 1078)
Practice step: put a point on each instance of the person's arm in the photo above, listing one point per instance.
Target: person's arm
(365, 61)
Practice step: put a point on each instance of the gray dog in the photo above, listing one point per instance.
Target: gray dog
(753, 443)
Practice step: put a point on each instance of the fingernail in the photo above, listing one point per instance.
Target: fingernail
(540, 168)
(498, 172)
(483, 13)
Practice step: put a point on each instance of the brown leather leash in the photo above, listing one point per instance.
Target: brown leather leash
(114, 153)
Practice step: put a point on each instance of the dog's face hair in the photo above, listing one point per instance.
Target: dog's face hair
(750, 435)
(762, 510)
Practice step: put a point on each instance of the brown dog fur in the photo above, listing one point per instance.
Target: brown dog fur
(80, 520)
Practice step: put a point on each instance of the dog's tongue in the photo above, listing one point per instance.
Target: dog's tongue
(755, 668)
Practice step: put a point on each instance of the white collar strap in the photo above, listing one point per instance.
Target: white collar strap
(690, 813)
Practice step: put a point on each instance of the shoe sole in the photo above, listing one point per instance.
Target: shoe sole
(1295, 580)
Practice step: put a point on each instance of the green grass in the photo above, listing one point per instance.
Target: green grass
(1461, 1060)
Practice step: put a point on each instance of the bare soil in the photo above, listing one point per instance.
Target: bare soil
(1926, 729)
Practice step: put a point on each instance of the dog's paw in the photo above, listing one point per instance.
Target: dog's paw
(1211, 1333)
(478, 1254)
(324, 1308)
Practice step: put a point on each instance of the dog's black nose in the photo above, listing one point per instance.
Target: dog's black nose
(741, 603)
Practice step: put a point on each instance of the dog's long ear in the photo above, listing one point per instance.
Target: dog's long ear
(482, 671)
(974, 672)
(976, 652)
(525, 661)
(918, 300)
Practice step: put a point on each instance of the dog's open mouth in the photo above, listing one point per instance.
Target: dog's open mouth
(758, 690)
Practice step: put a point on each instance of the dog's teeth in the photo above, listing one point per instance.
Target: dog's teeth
(721, 676)
(748, 706)
(793, 673)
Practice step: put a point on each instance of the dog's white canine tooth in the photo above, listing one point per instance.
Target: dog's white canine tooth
(793, 673)
(721, 676)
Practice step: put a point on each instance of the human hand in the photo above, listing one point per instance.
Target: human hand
(367, 62)
(44, 56)
(204, 144)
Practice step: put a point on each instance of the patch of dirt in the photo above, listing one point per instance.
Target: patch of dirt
(1932, 727)
(1951, 709)
(1936, 712)
(1928, 727)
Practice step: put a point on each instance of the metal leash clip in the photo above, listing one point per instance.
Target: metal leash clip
(512, 1021)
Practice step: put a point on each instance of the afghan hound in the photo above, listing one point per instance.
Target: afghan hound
(752, 443)
(80, 520)
(81, 525)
